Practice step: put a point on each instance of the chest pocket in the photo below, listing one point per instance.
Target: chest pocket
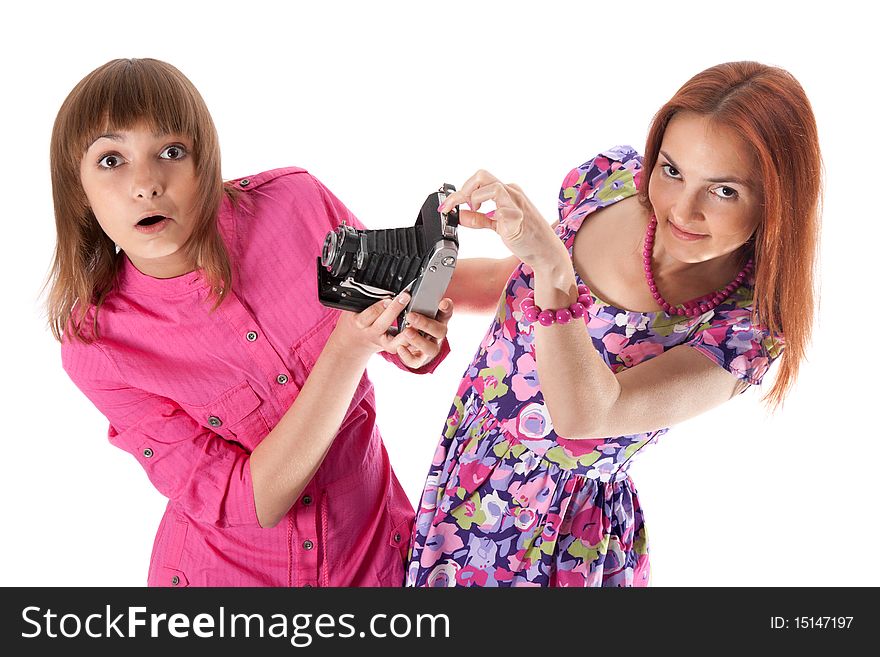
(235, 415)
(310, 346)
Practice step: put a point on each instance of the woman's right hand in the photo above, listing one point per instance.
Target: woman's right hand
(360, 335)
(517, 221)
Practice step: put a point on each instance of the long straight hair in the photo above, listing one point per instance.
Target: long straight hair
(120, 95)
(769, 109)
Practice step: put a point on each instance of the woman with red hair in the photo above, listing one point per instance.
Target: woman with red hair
(669, 284)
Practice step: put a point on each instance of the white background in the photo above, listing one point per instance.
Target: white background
(383, 102)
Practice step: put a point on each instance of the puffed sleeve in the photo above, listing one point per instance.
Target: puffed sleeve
(731, 340)
(610, 176)
(337, 212)
(186, 462)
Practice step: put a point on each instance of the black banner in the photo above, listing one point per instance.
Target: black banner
(413, 622)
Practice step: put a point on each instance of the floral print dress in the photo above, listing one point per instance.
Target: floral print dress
(508, 501)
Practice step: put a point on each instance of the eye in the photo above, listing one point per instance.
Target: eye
(173, 152)
(671, 171)
(110, 161)
(725, 192)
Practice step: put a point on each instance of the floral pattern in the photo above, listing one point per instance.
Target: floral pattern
(508, 501)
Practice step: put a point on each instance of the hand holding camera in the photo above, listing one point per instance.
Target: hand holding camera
(357, 268)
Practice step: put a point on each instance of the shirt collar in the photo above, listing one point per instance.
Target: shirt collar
(131, 279)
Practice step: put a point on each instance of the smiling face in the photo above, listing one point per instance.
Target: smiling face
(704, 190)
(142, 187)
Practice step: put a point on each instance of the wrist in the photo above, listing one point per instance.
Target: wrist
(553, 267)
(341, 351)
(546, 317)
(554, 282)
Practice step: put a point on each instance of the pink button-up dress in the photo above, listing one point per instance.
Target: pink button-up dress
(190, 392)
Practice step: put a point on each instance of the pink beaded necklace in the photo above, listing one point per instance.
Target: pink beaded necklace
(696, 306)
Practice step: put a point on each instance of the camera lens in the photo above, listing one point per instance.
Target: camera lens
(339, 253)
(329, 251)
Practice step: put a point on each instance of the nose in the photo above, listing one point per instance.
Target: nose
(687, 209)
(146, 182)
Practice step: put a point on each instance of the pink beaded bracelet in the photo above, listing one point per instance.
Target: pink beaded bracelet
(532, 314)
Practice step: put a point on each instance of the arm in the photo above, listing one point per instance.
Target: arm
(287, 458)
(215, 479)
(586, 399)
(186, 462)
(477, 283)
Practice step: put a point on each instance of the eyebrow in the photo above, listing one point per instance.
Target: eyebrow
(732, 179)
(114, 136)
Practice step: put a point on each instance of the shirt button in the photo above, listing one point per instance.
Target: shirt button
(175, 580)
(282, 379)
(148, 453)
(251, 336)
(308, 545)
(214, 421)
(244, 182)
(397, 537)
(307, 499)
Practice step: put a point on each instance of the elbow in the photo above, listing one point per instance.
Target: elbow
(269, 514)
(268, 521)
(271, 510)
(570, 425)
(573, 430)
(578, 422)
(578, 413)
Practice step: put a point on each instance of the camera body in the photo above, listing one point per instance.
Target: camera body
(357, 268)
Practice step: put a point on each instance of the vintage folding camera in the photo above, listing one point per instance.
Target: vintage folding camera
(357, 268)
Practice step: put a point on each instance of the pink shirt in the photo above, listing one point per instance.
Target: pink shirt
(190, 393)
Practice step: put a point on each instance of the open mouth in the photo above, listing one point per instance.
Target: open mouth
(151, 221)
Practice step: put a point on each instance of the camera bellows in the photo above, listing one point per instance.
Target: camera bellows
(392, 257)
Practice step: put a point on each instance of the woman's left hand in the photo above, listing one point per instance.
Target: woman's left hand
(516, 220)
(423, 337)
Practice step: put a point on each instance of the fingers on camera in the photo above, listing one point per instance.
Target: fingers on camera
(382, 313)
(369, 316)
(424, 344)
(391, 310)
